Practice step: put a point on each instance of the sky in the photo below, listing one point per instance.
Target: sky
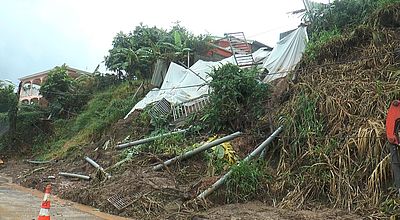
(37, 35)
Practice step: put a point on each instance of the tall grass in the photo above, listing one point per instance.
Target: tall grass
(104, 109)
(246, 182)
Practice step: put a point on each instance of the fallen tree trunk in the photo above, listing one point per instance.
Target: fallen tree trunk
(257, 151)
(198, 150)
(146, 140)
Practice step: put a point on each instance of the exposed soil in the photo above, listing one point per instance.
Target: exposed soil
(166, 194)
(258, 210)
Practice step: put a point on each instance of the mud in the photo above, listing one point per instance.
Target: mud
(155, 195)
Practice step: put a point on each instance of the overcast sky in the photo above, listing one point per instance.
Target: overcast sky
(36, 35)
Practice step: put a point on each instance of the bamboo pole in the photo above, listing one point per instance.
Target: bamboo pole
(198, 150)
(38, 161)
(257, 151)
(146, 140)
(74, 175)
(97, 166)
(128, 157)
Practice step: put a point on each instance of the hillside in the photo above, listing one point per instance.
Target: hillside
(334, 145)
(330, 161)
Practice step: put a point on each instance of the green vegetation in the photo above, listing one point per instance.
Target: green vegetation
(344, 14)
(321, 157)
(246, 182)
(170, 145)
(327, 24)
(237, 98)
(220, 158)
(332, 150)
(60, 91)
(8, 113)
(134, 54)
(103, 110)
(318, 39)
(7, 96)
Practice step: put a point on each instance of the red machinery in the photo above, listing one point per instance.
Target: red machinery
(392, 133)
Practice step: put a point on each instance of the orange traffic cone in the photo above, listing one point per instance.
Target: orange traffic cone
(44, 213)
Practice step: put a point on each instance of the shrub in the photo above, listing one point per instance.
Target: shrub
(236, 100)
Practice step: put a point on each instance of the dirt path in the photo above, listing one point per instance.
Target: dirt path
(19, 203)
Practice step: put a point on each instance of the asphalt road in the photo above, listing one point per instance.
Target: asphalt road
(18, 203)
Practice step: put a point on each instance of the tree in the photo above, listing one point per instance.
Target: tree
(63, 93)
(134, 54)
(7, 96)
(8, 105)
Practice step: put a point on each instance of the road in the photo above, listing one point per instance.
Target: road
(18, 203)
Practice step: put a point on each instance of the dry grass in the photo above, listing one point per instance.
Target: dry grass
(334, 143)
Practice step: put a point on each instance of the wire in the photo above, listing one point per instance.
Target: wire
(269, 30)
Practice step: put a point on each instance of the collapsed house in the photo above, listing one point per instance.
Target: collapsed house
(185, 90)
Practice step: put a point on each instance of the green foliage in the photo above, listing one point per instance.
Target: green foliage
(383, 3)
(64, 94)
(8, 111)
(216, 162)
(7, 96)
(236, 100)
(57, 86)
(29, 125)
(317, 40)
(105, 108)
(246, 182)
(343, 14)
(328, 22)
(67, 96)
(220, 158)
(305, 124)
(3, 118)
(170, 145)
(391, 207)
(134, 54)
(306, 118)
